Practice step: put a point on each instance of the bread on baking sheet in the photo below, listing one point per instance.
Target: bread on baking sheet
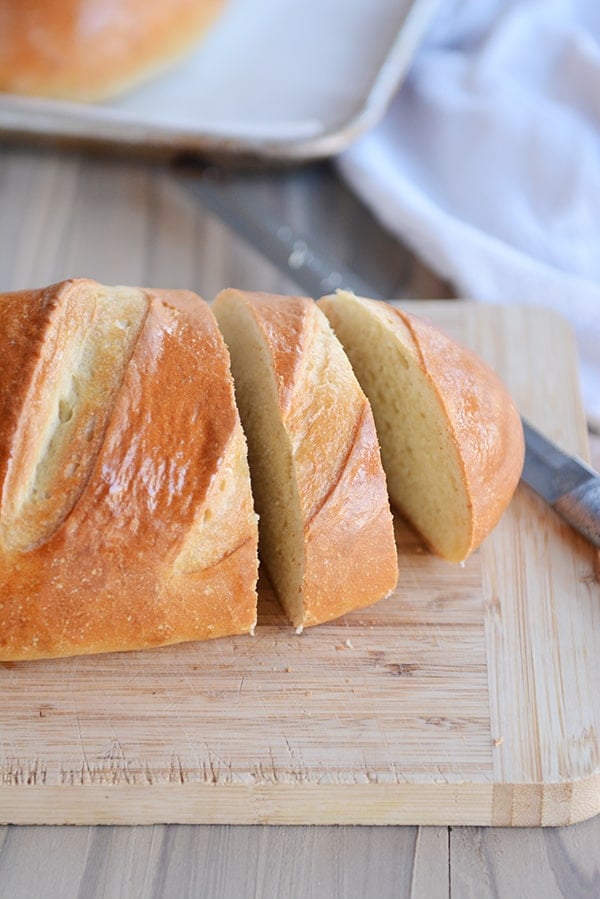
(92, 49)
(126, 518)
(451, 438)
(326, 532)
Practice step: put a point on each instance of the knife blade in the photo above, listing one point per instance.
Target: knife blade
(566, 482)
(291, 253)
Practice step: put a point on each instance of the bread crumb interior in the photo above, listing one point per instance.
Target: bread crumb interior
(270, 453)
(420, 459)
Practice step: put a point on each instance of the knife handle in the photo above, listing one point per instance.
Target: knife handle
(581, 508)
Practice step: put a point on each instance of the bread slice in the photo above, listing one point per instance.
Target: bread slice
(126, 517)
(326, 532)
(451, 438)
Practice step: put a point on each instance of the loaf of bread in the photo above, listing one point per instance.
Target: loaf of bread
(451, 438)
(91, 49)
(325, 528)
(126, 517)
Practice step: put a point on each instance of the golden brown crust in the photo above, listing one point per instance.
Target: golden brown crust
(72, 49)
(284, 322)
(481, 417)
(351, 559)
(24, 316)
(350, 554)
(78, 338)
(484, 421)
(118, 573)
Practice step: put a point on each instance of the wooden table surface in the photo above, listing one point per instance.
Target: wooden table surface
(123, 221)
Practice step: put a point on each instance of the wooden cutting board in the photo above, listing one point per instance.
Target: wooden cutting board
(470, 696)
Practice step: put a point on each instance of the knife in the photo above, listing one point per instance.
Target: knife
(222, 192)
(567, 483)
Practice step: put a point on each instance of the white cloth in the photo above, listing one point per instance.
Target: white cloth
(488, 162)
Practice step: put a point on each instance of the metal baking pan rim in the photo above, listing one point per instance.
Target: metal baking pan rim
(27, 117)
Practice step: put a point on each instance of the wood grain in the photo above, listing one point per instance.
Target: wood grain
(226, 862)
(517, 863)
(468, 696)
(127, 861)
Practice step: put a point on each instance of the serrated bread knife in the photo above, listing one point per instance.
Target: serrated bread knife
(570, 486)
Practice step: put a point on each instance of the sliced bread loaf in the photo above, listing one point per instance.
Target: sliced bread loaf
(126, 518)
(325, 528)
(451, 438)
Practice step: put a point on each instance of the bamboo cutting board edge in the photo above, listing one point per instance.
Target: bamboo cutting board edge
(516, 703)
(483, 805)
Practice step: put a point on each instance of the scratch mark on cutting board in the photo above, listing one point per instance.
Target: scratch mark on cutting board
(18, 773)
(86, 765)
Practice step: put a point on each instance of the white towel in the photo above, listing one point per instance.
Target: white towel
(488, 162)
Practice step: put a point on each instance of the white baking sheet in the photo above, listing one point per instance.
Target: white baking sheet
(273, 78)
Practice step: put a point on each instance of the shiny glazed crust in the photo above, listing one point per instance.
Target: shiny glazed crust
(78, 50)
(160, 545)
(350, 558)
